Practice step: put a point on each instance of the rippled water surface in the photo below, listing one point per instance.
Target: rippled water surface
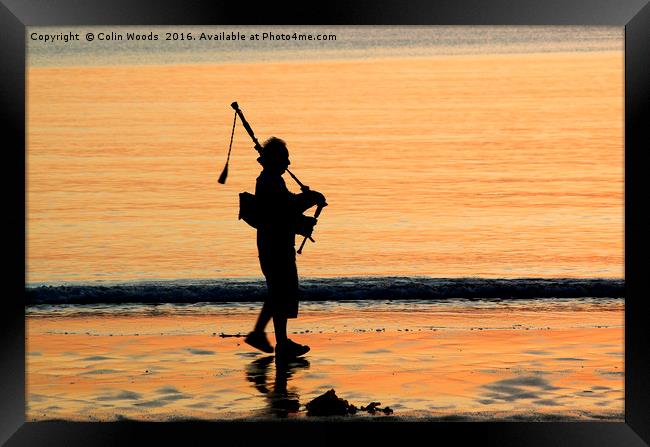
(435, 161)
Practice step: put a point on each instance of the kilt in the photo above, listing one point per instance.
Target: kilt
(281, 275)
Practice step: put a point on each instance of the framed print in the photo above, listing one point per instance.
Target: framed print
(353, 224)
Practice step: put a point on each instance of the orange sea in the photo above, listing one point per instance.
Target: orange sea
(483, 165)
(478, 162)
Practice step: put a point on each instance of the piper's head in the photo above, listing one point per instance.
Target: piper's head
(274, 155)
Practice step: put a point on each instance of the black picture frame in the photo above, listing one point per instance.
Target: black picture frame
(634, 15)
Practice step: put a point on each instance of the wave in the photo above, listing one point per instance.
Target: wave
(326, 289)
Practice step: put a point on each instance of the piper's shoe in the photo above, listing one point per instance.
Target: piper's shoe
(259, 341)
(290, 349)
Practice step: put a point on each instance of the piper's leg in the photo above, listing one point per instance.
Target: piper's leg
(280, 325)
(264, 318)
(257, 338)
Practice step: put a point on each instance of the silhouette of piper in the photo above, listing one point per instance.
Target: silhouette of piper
(279, 218)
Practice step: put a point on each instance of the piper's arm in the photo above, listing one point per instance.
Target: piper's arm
(309, 198)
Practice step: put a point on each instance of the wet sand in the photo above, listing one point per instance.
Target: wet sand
(547, 360)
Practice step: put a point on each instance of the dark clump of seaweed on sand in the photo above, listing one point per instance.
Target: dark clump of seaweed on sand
(329, 404)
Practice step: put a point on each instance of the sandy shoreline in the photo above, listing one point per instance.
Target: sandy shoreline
(557, 361)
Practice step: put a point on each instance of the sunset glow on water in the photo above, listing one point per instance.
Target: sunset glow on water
(476, 361)
(475, 152)
(498, 166)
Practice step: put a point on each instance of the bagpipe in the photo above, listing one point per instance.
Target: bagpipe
(249, 209)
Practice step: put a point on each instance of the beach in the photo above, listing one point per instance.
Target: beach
(469, 264)
(551, 359)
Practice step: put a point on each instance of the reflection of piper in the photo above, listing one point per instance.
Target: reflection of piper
(277, 214)
(282, 401)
